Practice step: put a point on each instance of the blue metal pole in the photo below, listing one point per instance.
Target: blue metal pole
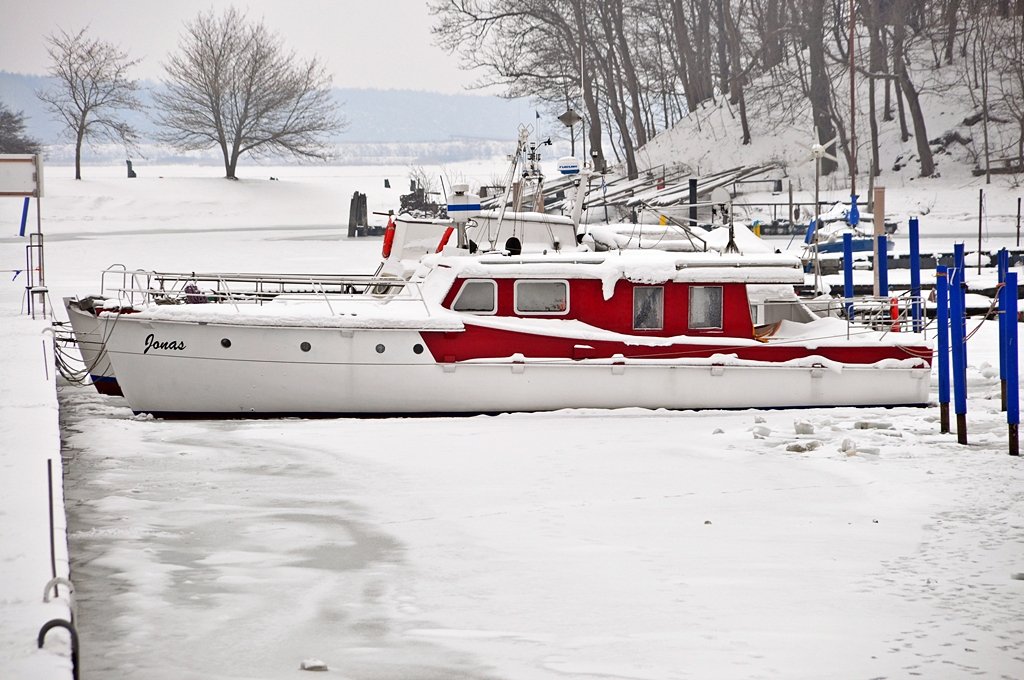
(915, 275)
(1002, 267)
(883, 266)
(956, 327)
(961, 268)
(848, 274)
(1012, 379)
(24, 216)
(942, 355)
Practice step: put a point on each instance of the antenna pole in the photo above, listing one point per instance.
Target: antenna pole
(583, 96)
(853, 126)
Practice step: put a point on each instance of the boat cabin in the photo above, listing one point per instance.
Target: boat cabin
(649, 294)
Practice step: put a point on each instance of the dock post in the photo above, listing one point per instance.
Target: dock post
(957, 345)
(693, 201)
(915, 275)
(848, 274)
(942, 353)
(1012, 394)
(882, 266)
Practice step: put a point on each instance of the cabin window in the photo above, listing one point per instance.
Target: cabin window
(542, 297)
(648, 308)
(705, 307)
(479, 297)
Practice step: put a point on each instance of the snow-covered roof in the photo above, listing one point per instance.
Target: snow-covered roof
(638, 266)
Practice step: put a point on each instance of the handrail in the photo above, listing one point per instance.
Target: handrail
(141, 287)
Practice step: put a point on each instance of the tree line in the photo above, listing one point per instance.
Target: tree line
(231, 85)
(632, 68)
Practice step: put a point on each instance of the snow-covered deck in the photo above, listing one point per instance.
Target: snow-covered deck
(30, 437)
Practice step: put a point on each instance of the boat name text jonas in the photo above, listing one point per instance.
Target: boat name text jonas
(153, 343)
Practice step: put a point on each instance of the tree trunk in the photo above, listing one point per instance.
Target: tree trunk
(629, 78)
(737, 85)
(594, 133)
(952, 7)
(78, 149)
(924, 151)
(723, 49)
(877, 65)
(771, 49)
(684, 50)
(904, 130)
(887, 109)
(609, 68)
(820, 93)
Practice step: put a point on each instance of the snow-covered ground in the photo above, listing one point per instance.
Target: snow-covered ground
(843, 543)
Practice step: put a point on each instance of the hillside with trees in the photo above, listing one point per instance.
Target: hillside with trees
(764, 74)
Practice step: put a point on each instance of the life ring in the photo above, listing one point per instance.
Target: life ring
(444, 239)
(389, 239)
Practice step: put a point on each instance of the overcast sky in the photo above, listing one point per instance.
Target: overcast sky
(365, 43)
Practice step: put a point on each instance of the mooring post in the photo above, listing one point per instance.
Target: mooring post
(1012, 379)
(942, 356)
(848, 274)
(693, 202)
(915, 275)
(882, 266)
(956, 327)
(1002, 268)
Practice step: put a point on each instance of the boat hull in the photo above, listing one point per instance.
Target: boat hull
(187, 369)
(89, 338)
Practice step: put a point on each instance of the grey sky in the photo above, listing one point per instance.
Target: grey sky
(365, 43)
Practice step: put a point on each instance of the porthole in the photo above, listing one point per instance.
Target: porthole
(305, 347)
(225, 342)
(380, 349)
(417, 348)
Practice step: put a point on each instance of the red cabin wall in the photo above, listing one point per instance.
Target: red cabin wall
(587, 304)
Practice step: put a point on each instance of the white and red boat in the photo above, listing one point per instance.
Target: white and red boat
(509, 314)
(540, 330)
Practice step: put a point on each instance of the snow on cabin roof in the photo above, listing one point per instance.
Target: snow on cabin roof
(525, 216)
(638, 266)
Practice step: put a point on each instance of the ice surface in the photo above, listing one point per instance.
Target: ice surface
(628, 544)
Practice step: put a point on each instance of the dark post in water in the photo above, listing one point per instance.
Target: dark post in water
(848, 274)
(915, 275)
(1012, 379)
(942, 356)
(957, 344)
(882, 266)
(1002, 268)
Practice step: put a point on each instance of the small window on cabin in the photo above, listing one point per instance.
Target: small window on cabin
(479, 297)
(542, 297)
(648, 308)
(705, 307)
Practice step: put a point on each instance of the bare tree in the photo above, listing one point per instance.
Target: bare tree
(92, 86)
(12, 133)
(232, 85)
